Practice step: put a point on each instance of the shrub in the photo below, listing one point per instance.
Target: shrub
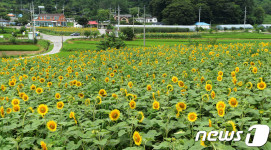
(110, 41)
(95, 34)
(128, 32)
(13, 40)
(87, 33)
(22, 29)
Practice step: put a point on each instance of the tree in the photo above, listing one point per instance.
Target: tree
(82, 21)
(179, 12)
(259, 14)
(157, 6)
(128, 32)
(110, 41)
(103, 14)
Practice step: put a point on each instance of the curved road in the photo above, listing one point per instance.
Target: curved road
(57, 41)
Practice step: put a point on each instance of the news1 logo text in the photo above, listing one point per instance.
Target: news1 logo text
(260, 136)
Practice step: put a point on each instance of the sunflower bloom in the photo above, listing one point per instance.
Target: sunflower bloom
(261, 85)
(208, 87)
(156, 105)
(221, 112)
(52, 125)
(192, 116)
(43, 145)
(233, 102)
(132, 104)
(220, 105)
(181, 106)
(137, 138)
(114, 115)
(102, 93)
(42, 110)
(59, 105)
(140, 117)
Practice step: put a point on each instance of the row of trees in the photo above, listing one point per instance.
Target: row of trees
(215, 11)
(167, 11)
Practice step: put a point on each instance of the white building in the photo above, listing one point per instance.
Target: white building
(265, 25)
(148, 20)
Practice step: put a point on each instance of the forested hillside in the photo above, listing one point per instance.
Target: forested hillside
(167, 11)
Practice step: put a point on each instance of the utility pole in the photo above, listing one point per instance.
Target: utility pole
(199, 12)
(245, 18)
(138, 12)
(133, 24)
(144, 26)
(118, 20)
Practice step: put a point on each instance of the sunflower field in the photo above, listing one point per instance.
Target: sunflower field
(156, 97)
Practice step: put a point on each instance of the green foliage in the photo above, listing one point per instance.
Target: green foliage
(82, 21)
(19, 48)
(179, 9)
(160, 30)
(22, 29)
(13, 40)
(167, 36)
(87, 33)
(110, 41)
(128, 32)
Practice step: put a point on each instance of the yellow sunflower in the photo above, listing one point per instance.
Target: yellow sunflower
(132, 104)
(102, 93)
(59, 105)
(261, 85)
(156, 105)
(233, 102)
(25, 97)
(98, 100)
(213, 94)
(2, 111)
(130, 84)
(219, 78)
(174, 79)
(181, 106)
(57, 96)
(192, 116)
(220, 105)
(221, 112)
(170, 87)
(254, 69)
(9, 110)
(149, 87)
(208, 87)
(114, 115)
(39, 90)
(181, 84)
(114, 95)
(43, 145)
(140, 117)
(15, 102)
(42, 110)
(137, 138)
(33, 87)
(52, 125)
(16, 108)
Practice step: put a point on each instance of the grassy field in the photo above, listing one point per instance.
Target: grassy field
(86, 44)
(19, 48)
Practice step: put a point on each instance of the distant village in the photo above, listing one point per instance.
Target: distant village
(59, 20)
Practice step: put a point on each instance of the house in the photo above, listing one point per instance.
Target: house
(70, 19)
(124, 17)
(148, 20)
(51, 20)
(93, 24)
(203, 25)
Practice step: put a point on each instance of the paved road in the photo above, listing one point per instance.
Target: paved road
(57, 41)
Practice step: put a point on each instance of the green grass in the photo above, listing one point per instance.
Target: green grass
(19, 48)
(237, 35)
(267, 19)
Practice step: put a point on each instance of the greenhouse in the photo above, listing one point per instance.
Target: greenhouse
(265, 26)
(234, 26)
